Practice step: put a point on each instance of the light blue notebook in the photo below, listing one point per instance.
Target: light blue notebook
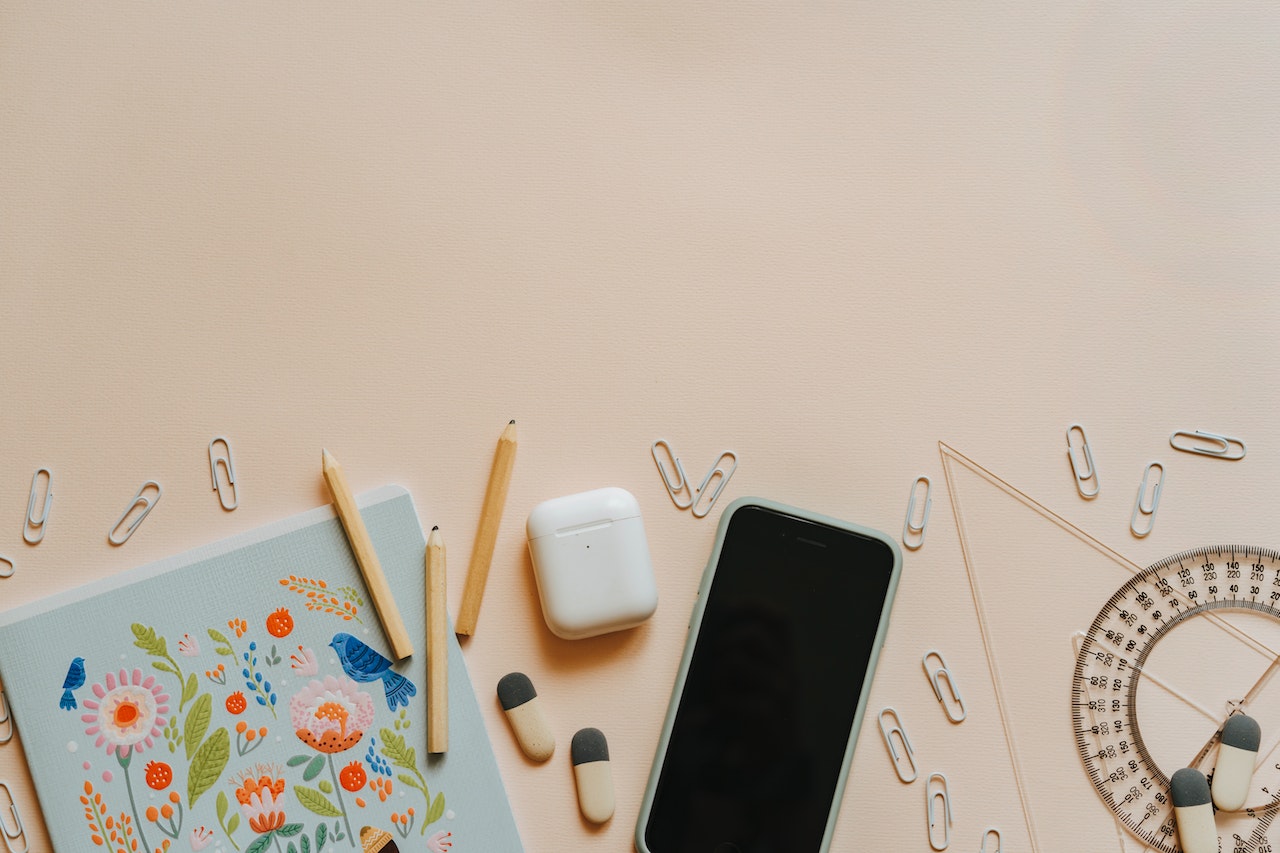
(238, 698)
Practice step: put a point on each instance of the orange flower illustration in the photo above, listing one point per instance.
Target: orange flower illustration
(261, 797)
(331, 715)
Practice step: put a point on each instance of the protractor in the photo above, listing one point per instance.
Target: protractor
(1186, 643)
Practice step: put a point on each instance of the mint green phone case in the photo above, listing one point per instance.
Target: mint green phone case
(696, 622)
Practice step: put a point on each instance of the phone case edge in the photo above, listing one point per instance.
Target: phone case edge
(695, 623)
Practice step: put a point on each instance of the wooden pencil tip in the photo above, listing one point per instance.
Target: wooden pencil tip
(513, 420)
(435, 528)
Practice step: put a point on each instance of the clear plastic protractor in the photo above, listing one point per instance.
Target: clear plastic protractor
(1174, 652)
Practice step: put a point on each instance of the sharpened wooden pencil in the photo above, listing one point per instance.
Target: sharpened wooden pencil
(495, 499)
(437, 645)
(366, 557)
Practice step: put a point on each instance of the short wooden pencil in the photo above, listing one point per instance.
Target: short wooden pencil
(437, 646)
(495, 499)
(366, 557)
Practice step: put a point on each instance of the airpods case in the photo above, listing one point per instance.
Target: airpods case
(591, 560)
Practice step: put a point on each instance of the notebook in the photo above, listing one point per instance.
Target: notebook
(238, 698)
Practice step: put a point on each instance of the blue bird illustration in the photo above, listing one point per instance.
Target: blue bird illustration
(73, 681)
(364, 664)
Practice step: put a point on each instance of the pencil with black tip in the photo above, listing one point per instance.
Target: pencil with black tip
(495, 499)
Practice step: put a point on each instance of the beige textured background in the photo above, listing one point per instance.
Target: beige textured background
(824, 237)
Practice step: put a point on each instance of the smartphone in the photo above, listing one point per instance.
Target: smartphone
(791, 614)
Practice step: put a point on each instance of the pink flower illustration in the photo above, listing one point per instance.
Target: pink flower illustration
(200, 838)
(440, 843)
(188, 646)
(331, 715)
(127, 714)
(304, 663)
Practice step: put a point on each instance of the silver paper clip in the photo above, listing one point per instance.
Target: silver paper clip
(678, 484)
(6, 721)
(1208, 444)
(12, 834)
(1146, 507)
(225, 460)
(990, 831)
(6, 567)
(933, 793)
(140, 500)
(33, 530)
(1083, 470)
(895, 727)
(700, 509)
(939, 674)
(913, 534)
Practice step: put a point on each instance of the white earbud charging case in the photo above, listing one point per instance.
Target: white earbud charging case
(591, 560)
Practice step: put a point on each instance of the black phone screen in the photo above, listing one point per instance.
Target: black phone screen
(759, 737)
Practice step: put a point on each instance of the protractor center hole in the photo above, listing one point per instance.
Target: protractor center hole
(1192, 675)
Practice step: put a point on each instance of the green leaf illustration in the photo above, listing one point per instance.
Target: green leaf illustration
(233, 823)
(437, 809)
(289, 830)
(352, 593)
(164, 667)
(305, 843)
(197, 725)
(189, 689)
(261, 843)
(298, 759)
(313, 769)
(317, 803)
(145, 638)
(207, 765)
(221, 806)
(322, 835)
(326, 786)
(411, 782)
(401, 754)
(291, 848)
(225, 645)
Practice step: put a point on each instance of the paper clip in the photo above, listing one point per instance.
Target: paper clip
(6, 722)
(913, 534)
(933, 793)
(1083, 470)
(11, 834)
(700, 509)
(6, 567)
(33, 530)
(1145, 507)
(938, 674)
(895, 727)
(146, 502)
(231, 474)
(991, 830)
(1222, 447)
(680, 483)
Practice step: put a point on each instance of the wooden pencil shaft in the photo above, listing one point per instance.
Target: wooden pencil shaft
(495, 499)
(366, 558)
(437, 646)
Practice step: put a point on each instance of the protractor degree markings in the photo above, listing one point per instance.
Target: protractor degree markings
(1127, 645)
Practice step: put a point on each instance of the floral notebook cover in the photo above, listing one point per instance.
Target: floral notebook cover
(239, 699)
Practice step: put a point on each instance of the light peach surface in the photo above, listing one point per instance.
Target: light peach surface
(824, 238)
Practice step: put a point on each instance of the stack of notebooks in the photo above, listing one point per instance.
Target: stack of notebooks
(239, 698)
